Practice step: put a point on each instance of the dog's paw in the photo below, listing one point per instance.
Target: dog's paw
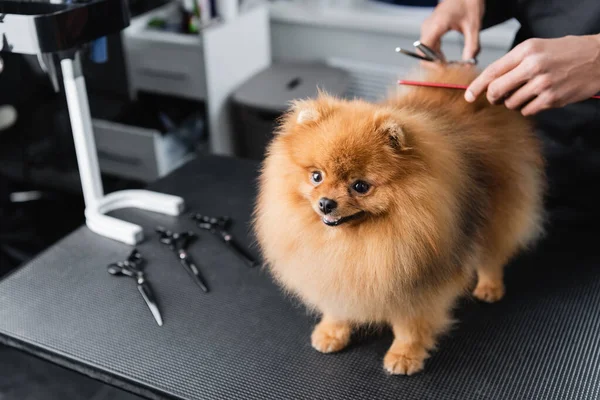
(406, 361)
(329, 338)
(489, 291)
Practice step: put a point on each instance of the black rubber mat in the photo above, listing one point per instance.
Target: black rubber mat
(245, 340)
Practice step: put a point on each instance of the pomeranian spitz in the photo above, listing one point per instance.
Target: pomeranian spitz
(386, 213)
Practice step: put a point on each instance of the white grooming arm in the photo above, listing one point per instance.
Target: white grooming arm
(96, 203)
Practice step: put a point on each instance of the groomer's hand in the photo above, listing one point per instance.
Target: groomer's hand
(540, 74)
(463, 16)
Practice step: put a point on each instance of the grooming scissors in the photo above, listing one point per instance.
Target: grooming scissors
(431, 55)
(178, 243)
(132, 268)
(218, 226)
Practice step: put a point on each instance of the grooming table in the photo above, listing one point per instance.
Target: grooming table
(245, 340)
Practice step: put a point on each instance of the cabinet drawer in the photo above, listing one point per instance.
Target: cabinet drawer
(149, 137)
(164, 62)
(136, 153)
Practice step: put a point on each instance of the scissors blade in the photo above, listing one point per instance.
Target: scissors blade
(237, 249)
(411, 54)
(190, 266)
(429, 52)
(149, 298)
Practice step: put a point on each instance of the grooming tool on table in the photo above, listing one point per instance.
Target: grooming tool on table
(132, 268)
(431, 55)
(178, 243)
(445, 85)
(218, 226)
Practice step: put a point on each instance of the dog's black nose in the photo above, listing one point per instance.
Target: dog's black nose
(327, 205)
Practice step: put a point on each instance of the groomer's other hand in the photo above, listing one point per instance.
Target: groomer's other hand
(540, 74)
(463, 16)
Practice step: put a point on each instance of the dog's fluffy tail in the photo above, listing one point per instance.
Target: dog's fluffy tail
(417, 96)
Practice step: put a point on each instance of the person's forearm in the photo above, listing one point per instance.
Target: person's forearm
(596, 37)
(597, 50)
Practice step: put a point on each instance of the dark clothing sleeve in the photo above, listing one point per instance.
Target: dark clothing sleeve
(545, 18)
(571, 134)
(497, 12)
(555, 19)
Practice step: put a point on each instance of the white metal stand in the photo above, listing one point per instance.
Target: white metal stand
(96, 203)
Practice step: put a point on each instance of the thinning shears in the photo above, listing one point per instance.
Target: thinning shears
(178, 243)
(219, 227)
(132, 268)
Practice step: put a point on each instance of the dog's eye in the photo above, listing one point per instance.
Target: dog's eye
(361, 187)
(316, 177)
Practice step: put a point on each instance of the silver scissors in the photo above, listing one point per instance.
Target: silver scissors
(132, 267)
(431, 55)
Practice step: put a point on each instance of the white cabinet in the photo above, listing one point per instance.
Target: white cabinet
(164, 62)
(207, 67)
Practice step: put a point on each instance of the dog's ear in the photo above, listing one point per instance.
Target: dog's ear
(299, 113)
(313, 110)
(302, 112)
(308, 114)
(395, 133)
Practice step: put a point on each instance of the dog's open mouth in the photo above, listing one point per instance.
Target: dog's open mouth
(336, 221)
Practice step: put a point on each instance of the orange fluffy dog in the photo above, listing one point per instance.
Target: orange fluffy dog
(382, 213)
